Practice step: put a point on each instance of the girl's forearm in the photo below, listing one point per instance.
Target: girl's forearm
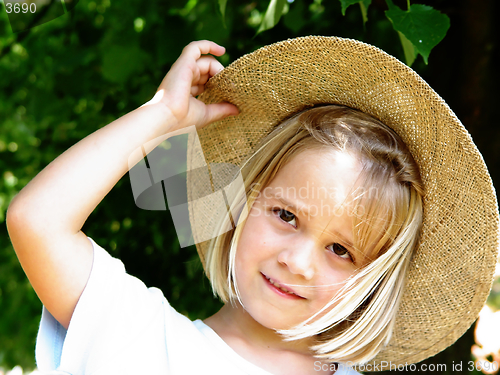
(64, 194)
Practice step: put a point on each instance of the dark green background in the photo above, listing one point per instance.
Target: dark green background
(68, 77)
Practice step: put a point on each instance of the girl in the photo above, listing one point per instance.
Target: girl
(313, 259)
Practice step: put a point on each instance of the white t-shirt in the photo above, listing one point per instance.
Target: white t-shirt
(120, 326)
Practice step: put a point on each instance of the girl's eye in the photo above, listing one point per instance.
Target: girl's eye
(341, 251)
(286, 216)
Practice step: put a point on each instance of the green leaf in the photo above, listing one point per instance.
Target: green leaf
(391, 5)
(346, 3)
(423, 26)
(364, 4)
(222, 8)
(272, 16)
(410, 52)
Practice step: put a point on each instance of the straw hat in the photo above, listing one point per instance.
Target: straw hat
(451, 273)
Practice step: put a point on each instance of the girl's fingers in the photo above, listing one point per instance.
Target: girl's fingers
(202, 47)
(216, 112)
(186, 80)
(191, 69)
(203, 79)
(208, 67)
(197, 90)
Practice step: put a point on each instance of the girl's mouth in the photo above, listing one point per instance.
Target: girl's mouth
(280, 289)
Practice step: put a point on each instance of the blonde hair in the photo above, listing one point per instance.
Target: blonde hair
(358, 322)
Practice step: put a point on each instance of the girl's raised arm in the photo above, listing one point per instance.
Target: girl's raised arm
(45, 219)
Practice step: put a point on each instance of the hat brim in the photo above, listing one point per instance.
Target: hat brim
(451, 272)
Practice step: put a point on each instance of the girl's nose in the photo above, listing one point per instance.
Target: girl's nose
(299, 259)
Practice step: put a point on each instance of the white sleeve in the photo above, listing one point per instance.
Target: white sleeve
(117, 327)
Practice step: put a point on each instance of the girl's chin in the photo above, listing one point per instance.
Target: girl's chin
(272, 322)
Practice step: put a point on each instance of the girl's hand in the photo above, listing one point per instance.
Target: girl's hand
(186, 79)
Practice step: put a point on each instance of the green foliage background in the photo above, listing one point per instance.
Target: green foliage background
(64, 79)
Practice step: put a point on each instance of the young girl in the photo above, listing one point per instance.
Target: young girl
(366, 227)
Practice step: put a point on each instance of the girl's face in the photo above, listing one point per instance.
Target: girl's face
(295, 251)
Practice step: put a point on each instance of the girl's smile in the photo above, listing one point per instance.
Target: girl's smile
(280, 289)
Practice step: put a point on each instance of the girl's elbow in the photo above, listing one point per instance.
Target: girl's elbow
(13, 217)
(19, 221)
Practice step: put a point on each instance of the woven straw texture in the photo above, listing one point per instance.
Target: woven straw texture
(451, 273)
